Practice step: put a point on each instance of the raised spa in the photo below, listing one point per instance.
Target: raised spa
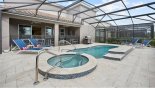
(68, 60)
(68, 65)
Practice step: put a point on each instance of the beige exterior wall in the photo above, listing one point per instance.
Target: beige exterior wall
(87, 30)
(13, 5)
(15, 22)
(20, 0)
(80, 7)
(14, 26)
(51, 7)
(43, 20)
(76, 29)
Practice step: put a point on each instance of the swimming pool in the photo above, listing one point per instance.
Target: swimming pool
(96, 51)
(68, 60)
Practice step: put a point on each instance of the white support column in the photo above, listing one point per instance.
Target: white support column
(5, 33)
(0, 32)
(56, 33)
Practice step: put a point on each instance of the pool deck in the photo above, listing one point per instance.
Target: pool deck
(136, 70)
(118, 53)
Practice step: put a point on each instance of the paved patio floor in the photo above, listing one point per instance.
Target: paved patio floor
(137, 69)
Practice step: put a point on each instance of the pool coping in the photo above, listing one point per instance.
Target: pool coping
(67, 73)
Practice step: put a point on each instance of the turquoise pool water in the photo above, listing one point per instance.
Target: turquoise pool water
(75, 60)
(96, 51)
(68, 60)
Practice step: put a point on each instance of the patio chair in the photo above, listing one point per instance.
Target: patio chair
(143, 44)
(35, 43)
(134, 41)
(146, 42)
(24, 48)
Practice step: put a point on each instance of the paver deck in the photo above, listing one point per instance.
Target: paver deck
(135, 70)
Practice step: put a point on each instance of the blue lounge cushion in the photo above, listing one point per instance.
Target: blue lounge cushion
(146, 42)
(134, 40)
(21, 44)
(34, 42)
(34, 49)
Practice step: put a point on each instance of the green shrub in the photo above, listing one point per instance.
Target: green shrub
(99, 41)
(113, 41)
(152, 43)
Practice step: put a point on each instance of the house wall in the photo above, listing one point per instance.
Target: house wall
(14, 26)
(52, 7)
(21, 1)
(14, 5)
(86, 29)
(15, 22)
(76, 29)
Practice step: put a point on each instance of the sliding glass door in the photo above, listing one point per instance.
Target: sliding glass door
(25, 31)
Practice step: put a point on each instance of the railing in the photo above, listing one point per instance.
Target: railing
(46, 74)
(64, 42)
(60, 61)
(42, 39)
(36, 67)
(70, 38)
(45, 40)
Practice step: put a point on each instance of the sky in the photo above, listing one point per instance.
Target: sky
(128, 3)
(118, 6)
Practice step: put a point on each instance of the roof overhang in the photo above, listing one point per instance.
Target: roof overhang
(39, 19)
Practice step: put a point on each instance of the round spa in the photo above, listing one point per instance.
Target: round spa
(68, 60)
(68, 65)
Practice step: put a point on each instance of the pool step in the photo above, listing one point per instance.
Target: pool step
(114, 56)
(118, 53)
(121, 50)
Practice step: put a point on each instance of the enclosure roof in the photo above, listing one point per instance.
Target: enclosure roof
(114, 12)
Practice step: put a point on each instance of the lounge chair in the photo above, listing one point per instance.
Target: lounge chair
(24, 48)
(35, 43)
(134, 41)
(146, 42)
(143, 44)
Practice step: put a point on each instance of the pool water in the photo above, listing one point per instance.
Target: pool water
(68, 60)
(96, 51)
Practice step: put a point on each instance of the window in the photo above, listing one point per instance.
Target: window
(25, 31)
(62, 32)
(48, 32)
